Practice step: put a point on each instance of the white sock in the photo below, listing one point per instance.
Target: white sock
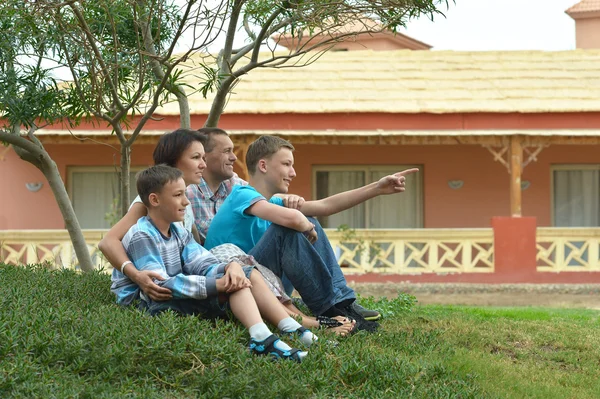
(290, 325)
(259, 332)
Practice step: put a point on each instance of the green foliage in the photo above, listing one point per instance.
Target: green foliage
(112, 67)
(299, 16)
(390, 307)
(61, 335)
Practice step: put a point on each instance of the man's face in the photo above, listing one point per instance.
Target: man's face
(171, 201)
(219, 162)
(280, 170)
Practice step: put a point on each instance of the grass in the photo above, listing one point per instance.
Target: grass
(61, 336)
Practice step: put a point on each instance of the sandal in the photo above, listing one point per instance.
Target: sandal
(328, 322)
(268, 347)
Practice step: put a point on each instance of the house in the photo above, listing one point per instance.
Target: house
(495, 134)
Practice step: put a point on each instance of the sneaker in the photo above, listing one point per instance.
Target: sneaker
(368, 314)
(361, 323)
(269, 347)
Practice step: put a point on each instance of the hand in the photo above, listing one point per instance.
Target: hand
(145, 280)
(293, 202)
(311, 235)
(234, 278)
(395, 183)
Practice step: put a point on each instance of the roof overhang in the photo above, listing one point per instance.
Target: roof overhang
(364, 137)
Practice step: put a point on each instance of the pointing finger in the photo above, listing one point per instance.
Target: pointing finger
(407, 172)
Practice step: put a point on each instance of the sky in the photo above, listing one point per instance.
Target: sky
(478, 25)
(473, 25)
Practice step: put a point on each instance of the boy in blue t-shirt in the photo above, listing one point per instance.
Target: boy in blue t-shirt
(284, 239)
(199, 283)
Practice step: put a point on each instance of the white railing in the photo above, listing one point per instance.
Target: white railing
(415, 251)
(568, 249)
(52, 247)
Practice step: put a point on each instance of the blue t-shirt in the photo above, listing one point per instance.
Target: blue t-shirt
(233, 225)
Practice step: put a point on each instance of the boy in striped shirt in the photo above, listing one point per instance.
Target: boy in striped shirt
(199, 283)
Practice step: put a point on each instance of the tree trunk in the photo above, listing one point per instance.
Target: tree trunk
(37, 155)
(50, 171)
(124, 177)
(218, 104)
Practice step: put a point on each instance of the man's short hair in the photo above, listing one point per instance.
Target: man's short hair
(209, 133)
(171, 145)
(264, 148)
(153, 179)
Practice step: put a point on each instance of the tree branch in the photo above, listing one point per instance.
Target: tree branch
(177, 90)
(224, 67)
(91, 41)
(263, 32)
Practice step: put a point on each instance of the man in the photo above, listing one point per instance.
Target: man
(218, 180)
(284, 239)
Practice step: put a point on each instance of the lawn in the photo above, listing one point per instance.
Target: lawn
(62, 336)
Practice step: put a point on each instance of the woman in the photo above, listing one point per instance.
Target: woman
(184, 150)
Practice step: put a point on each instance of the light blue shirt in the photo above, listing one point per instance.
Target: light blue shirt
(189, 270)
(233, 225)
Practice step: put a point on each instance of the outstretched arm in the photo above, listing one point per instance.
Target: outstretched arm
(340, 202)
(113, 250)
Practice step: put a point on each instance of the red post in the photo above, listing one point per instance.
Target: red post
(514, 248)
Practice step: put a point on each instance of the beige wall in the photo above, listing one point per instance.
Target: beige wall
(484, 194)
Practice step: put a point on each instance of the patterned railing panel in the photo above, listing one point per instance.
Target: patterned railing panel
(379, 251)
(568, 249)
(415, 251)
(53, 247)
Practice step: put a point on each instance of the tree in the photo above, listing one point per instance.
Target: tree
(29, 96)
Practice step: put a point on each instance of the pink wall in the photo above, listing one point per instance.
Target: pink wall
(22, 209)
(484, 194)
(587, 32)
(486, 183)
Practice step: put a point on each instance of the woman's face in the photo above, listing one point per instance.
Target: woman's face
(191, 163)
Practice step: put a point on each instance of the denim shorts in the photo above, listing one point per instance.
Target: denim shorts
(208, 308)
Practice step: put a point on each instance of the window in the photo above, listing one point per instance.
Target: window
(390, 211)
(576, 195)
(93, 191)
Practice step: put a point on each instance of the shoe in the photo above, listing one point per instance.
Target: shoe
(268, 347)
(299, 332)
(361, 323)
(368, 314)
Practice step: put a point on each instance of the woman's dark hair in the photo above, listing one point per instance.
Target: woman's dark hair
(171, 145)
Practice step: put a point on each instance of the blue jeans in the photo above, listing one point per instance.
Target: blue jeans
(312, 269)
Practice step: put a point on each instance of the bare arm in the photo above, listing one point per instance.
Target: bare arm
(113, 250)
(290, 218)
(291, 200)
(340, 202)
